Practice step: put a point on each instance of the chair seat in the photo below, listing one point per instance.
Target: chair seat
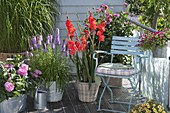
(116, 69)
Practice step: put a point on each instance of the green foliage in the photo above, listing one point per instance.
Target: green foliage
(20, 19)
(153, 13)
(150, 106)
(22, 82)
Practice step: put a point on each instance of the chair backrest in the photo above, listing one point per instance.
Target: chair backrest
(125, 45)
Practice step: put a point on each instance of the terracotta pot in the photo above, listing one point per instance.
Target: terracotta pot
(4, 56)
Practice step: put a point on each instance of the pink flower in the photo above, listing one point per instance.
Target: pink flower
(98, 9)
(116, 15)
(34, 74)
(9, 86)
(8, 66)
(38, 72)
(22, 71)
(126, 4)
(24, 66)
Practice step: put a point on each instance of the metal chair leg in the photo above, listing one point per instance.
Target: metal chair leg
(111, 92)
(105, 86)
(134, 92)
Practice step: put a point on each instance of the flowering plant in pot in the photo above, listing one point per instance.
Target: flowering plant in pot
(150, 106)
(157, 42)
(51, 58)
(82, 47)
(116, 25)
(16, 79)
(152, 40)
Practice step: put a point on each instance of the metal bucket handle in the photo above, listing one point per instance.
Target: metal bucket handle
(36, 94)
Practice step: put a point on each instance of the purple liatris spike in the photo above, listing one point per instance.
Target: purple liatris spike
(39, 40)
(63, 47)
(36, 46)
(48, 40)
(40, 37)
(26, 53)
(57, 37)
(30, 45)
(33, 40)
(31, 54)
(44, 47)
(53, 45)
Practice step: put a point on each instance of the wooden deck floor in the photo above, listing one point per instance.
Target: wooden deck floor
(71, 104)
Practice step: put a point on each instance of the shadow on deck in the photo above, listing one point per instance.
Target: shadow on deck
(71, 104)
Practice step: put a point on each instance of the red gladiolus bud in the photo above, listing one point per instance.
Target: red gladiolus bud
(92, 22)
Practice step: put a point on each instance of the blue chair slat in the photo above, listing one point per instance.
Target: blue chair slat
(126, 46)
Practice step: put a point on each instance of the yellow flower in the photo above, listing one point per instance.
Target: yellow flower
(154, 105)
(135, 111)
(154, 110)
(159, 106)
(160, 110)
(163, 112)
(148, 106)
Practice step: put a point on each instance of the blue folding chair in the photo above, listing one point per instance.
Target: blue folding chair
(123, 46)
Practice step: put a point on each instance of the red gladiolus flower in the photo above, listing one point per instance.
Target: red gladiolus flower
(99, 33)
(101, 26)
(83, 42)
(78, 45)
(70, 28)
(101, 38)
(71, 46)
(87, 34)
(92, 22)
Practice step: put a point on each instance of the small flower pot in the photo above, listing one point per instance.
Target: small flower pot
(4, 56)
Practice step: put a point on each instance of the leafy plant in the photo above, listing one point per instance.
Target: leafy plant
(16, 78)
(51, 60)
(21, 19)
(153, 13)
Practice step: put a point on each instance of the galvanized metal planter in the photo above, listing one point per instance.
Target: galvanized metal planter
(14, 105)
(53, 93)
(163, 52)
(87, 94)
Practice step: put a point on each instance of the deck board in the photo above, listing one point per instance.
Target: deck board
(71, 104)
